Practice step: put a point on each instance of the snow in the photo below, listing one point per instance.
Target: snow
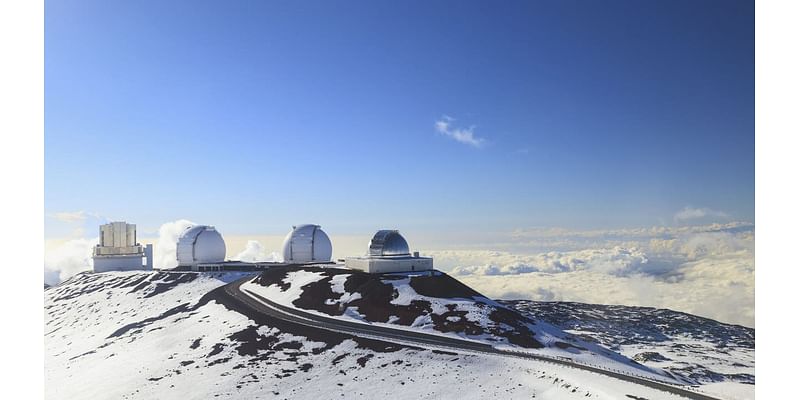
(348, 297)
(731, 390)
(352, 312)
(77, 348)
(191, 355)
(683, 351)
(285, 298)
(477, 311)
(704, 350)
(296, 280)
(337, 283)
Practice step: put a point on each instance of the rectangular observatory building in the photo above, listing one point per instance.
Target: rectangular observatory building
(383, 265)
(119, 251)
(389, 252)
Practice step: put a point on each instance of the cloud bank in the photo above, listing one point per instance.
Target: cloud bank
(461, 135)
(616, 260)
(704, 270)
(691, 213)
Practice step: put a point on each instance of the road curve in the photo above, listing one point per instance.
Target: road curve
(265, 306)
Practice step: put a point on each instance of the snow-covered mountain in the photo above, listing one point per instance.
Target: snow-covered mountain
(430, 302)
(145, 335)
(709, 352)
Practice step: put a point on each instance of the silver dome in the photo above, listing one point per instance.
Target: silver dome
(388, 243)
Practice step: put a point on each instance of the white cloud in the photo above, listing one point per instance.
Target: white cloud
(255, 252)
(691, 213)
(165, 248)
(704, 270)
(67, 259)
(614, 260)
(721, 288)
(75, 224)
(72, 216)
(462, 135)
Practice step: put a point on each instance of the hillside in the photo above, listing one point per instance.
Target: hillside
(145, 335)
(430, 302)
(707, 351)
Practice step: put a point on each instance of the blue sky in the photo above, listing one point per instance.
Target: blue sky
(255, 115)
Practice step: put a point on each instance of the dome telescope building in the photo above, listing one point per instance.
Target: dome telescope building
(307, 244)
(389, 252)
(200, 244)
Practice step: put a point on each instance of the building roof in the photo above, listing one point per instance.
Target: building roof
(307, 243)
(388, 243)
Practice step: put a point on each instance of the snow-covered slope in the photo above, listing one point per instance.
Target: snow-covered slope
(147, 335)
(715, 354)
(430, 302)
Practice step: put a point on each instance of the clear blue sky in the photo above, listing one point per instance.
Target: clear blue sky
(253, 115)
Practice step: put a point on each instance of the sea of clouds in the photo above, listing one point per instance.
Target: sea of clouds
(704, 270)
(707, 270)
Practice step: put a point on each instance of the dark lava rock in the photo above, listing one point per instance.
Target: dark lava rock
(650, 356)
(378, 291)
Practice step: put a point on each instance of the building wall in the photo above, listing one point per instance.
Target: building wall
(130, 237)
(385, 265)
(118, 234)
(105, 250)
(118, 238)
(148, 255)
(120, 263)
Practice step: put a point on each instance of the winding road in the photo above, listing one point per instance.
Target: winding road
(292, 315)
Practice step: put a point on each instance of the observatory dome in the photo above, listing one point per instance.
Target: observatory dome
(388, 243)
(200, 244)
(388, 253)
(305, 244)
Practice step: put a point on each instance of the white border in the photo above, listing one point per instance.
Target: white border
(777, 181)
(22, 165)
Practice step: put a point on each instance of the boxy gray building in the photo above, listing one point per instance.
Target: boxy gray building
(389, 252)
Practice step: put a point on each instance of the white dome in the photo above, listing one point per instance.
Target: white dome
(306, 244)
(200, 244)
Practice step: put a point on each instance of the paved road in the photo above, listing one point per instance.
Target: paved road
(265, 306)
